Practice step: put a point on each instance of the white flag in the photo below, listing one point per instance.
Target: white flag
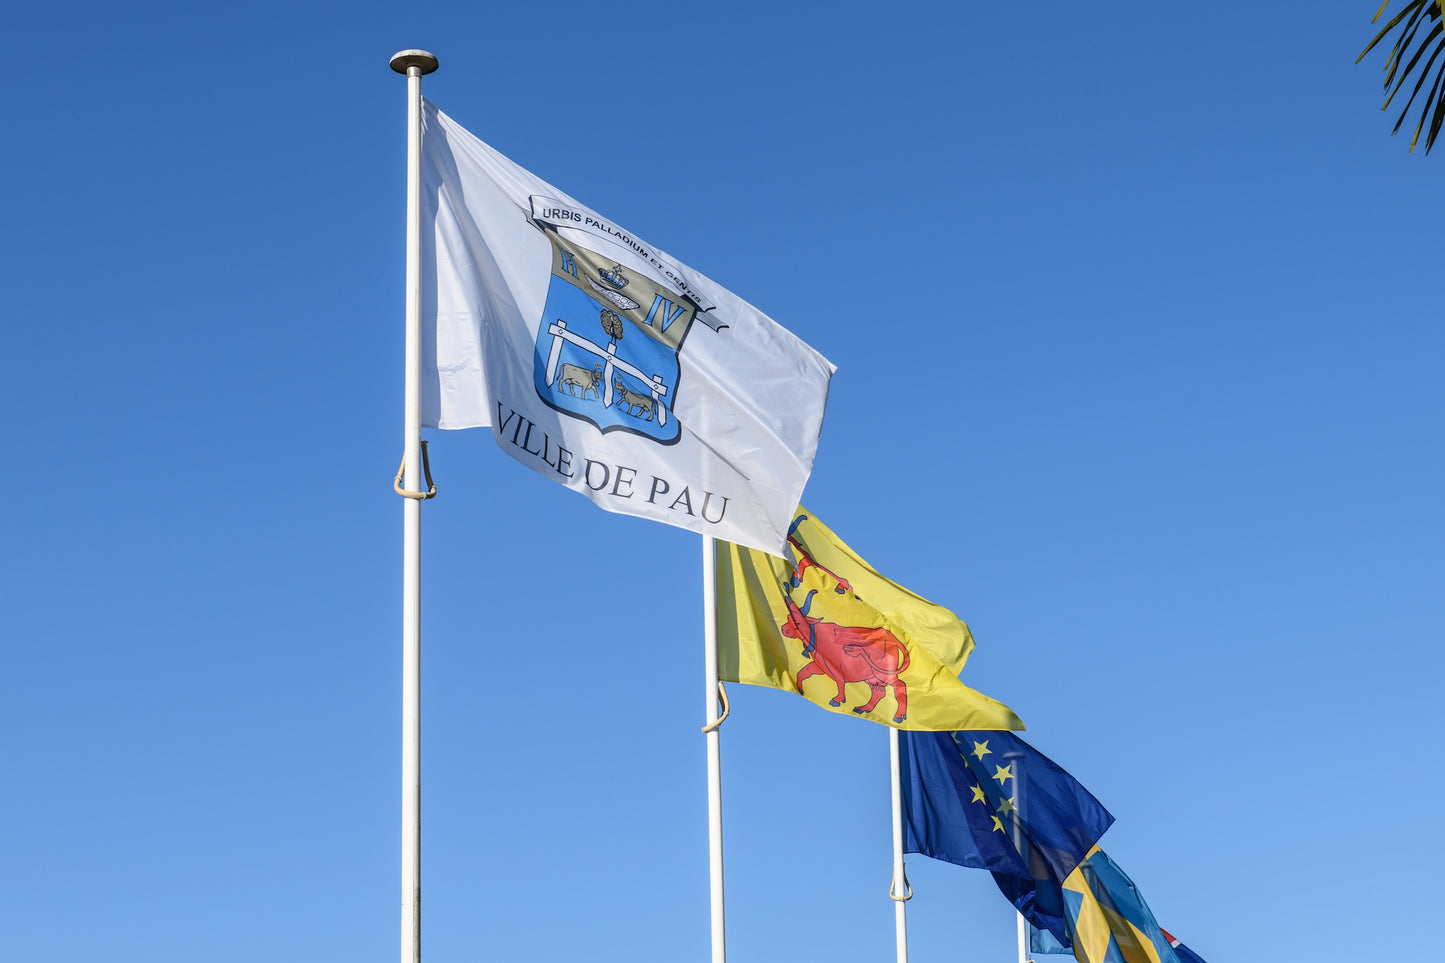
(601, 362)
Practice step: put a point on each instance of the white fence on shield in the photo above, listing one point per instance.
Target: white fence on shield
(610, 364)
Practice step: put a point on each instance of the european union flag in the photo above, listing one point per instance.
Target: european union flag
(988, 800)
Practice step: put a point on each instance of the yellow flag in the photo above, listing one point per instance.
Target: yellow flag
(823, 624)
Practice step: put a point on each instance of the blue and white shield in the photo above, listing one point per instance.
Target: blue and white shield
(607, 344)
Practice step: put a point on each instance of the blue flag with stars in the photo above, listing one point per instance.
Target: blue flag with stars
(989, 800)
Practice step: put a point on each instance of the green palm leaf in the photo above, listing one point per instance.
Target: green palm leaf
(1407, 51)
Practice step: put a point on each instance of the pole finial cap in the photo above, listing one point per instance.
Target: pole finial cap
(403, 60)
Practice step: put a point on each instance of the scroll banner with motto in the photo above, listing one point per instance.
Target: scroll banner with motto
(822, 623)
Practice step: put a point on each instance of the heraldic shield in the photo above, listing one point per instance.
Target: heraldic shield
(607, 343)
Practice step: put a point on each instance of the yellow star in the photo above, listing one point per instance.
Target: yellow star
(1006, 806)
(1003, 772)
(998, 826)
(978, 795)
(981, 749)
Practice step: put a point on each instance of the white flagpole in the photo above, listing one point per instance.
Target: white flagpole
(898, 889)
(413, 63)
(714, 758)
(1016, 760)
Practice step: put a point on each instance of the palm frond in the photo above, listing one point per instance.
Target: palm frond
(1407, 50)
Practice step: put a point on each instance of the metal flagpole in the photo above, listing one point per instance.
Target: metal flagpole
(413, 63)
(898, 889)
(1016, 761)
(714, 763)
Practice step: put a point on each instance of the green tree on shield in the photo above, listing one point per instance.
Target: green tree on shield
(1411, 44)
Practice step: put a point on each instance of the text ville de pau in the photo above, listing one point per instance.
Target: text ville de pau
(618, 481)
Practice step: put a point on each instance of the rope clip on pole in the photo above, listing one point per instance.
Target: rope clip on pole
(431, 491)
(722, 694)
(893, 889)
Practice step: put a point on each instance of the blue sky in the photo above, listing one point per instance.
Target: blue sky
(1136, 314)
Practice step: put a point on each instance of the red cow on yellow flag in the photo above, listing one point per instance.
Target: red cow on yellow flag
(846, 653)
(887, 654)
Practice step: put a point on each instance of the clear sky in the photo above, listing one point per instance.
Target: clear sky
(1136, 311)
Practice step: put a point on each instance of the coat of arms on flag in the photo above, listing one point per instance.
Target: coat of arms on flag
(607, 343)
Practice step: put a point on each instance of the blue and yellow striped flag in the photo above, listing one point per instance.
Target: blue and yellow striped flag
(822, 623)
(1108, 920)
